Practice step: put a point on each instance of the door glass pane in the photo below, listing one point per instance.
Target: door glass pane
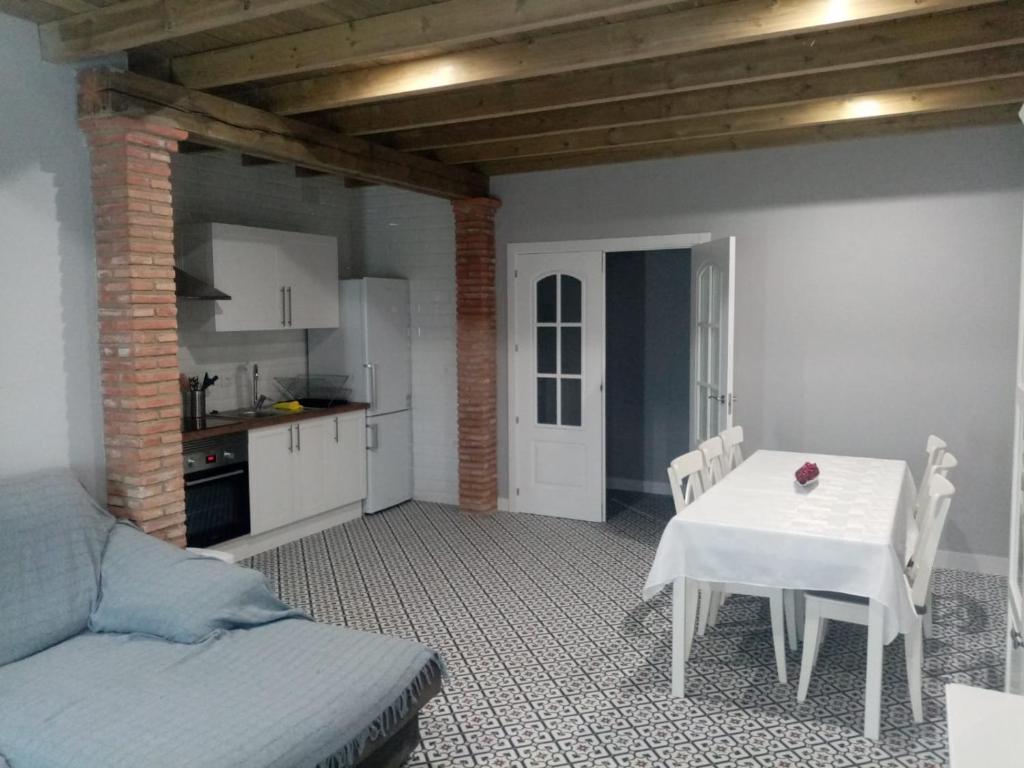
(547, 350)
(572, 405)
(547, 401)
(547, 299)
(702, 413)
(703, 294)
(572, 350)
(714, 373)
(572, 300)
(715, 300)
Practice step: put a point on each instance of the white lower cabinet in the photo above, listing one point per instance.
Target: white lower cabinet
(304, 468)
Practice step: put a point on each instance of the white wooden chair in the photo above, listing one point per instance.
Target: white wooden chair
(686, 470)
(732, 443)
(686, 478)
(714, 453)
(941, 468)
(935, 448)
(821, 607)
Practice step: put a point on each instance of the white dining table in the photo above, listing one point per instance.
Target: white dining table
(849, 532)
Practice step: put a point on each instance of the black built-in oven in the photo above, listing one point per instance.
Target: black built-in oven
(216, 489)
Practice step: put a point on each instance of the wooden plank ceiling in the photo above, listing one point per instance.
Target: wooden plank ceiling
(442, 94)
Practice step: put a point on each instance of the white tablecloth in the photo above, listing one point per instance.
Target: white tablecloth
(849, 533)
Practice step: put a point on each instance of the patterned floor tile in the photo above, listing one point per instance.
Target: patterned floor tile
(554, 660)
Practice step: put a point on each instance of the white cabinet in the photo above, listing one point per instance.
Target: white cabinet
(271, 485)
(276, 279)
(304, 468)
(345, 459)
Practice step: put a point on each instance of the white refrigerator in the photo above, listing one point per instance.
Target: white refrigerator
(372, 346)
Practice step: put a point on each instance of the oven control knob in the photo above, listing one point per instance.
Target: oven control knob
(228, 455)
(190, 462)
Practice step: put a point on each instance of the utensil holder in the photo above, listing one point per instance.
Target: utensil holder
(193, 405)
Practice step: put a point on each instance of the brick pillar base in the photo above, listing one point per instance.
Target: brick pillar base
(131, 169)
(477, 338)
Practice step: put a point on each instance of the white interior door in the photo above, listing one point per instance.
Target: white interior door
(712, 292)
(558, 418)
(1015, 623)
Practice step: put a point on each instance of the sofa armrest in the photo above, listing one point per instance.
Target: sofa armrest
(216, 554)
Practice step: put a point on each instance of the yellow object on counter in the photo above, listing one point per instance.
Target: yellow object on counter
(292, 406)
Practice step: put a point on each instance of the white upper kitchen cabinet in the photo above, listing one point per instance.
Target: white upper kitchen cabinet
(276, 279)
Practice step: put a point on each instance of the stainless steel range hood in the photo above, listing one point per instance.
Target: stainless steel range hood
(188, 286)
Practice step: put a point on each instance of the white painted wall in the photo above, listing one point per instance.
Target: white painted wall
(49, 361)
(876, 290)
(404, 234)
(215, 186)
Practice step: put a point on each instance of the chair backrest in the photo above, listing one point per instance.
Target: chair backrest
(935, 449)
(919, 573)
(688, 469)
(732, 441)
(714, 451)
(940, 468)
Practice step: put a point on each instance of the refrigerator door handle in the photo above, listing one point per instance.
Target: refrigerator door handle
(371, 384)
(372, 440)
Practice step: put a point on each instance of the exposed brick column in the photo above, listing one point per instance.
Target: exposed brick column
(477, 338)
(131, 170)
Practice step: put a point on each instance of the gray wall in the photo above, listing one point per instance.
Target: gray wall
(877, 286)
(648, 365)
(49, 354)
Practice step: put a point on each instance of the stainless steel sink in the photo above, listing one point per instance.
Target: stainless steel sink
(250, 414)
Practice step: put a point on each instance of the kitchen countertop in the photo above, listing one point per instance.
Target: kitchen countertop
(245, 423)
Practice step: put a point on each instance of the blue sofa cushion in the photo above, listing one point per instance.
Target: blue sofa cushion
(150, 587)
(52, 535)
(290, 694)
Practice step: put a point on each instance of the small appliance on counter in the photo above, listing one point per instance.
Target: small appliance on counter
(216, 489)
(372, 345)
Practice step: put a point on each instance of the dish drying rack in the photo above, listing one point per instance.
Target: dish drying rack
(315, 391)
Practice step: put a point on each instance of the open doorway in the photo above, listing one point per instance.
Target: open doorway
(648, 374)
(558, 436)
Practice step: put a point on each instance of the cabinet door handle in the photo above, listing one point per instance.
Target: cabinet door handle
(336, 428)
(298, 437)
(283, 321)
(289, 305)
(291, 441)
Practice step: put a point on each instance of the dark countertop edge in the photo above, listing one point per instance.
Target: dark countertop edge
(245, 424)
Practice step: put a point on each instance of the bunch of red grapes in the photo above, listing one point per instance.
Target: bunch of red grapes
(807, 473)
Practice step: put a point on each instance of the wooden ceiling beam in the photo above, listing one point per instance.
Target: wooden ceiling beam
(957, 68)
(695, 29)
(973, 29)
(363, 41)
(866, 128)
(216, 121)
(133, 23)
(895, 103)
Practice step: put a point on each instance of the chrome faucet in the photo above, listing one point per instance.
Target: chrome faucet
(257, 399)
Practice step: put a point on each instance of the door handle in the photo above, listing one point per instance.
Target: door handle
(372, 442)
(291, 441)
(193, 483)
(298, 437)
(336, 429)
(289, 305)
(718, 398)
(283, 322)
(371, 384)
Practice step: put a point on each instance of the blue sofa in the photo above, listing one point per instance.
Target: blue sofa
(118, 650)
